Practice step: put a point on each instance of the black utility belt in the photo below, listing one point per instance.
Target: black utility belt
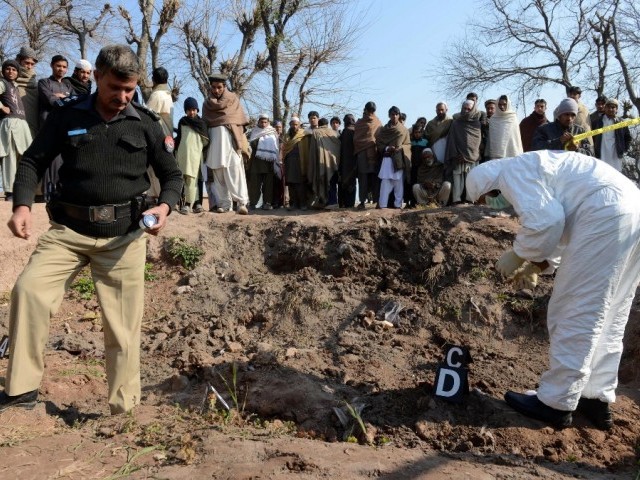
(104, 214)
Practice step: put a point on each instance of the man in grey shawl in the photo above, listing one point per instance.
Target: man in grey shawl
(463, 148)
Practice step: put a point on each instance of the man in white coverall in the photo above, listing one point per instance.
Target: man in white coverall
(580, 215)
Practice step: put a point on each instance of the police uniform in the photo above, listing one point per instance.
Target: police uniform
(94, 221)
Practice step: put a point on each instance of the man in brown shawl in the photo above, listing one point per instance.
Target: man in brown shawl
(364, 149)
(438, 128)
(324, 156)
(295, 174)
(228, 147)
(463, 148)
(394, 145)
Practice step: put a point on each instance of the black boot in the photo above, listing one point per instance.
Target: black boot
(531, 406)
(597, 412)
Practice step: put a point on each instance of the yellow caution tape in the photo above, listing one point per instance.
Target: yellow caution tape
(581, 136)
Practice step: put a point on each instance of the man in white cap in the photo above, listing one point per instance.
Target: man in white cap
(558, 135)
(610, 146)
(80, 80)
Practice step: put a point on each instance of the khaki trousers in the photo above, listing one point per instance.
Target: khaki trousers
(117, 269)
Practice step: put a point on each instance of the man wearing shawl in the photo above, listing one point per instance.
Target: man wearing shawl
(228, 147)
(191, 142)
(364, 149)
(295, 174)
(263, 140)
(529, 124)
(437, 130)
(463, 148)
(555, 135)
(394, 145)
(504, 134)
(80, 79)
(348, 168)
(324, 156)
(28, 86)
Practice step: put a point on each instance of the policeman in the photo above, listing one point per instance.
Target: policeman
(106, 143)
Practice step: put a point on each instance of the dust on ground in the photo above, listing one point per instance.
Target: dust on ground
(282, 318)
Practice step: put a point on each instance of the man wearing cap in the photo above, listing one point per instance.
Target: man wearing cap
(80, 79)
(106, 143)
(555, 135)
(228, 147)
(610, 146)
(191, 143)
(15, 135)
(54, 88)
(265, 150)
(28, 86)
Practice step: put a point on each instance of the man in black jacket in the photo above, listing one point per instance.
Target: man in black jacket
(555, 135)
(106, 143)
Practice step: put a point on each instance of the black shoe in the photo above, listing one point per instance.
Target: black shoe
(361, 206)
(25, 400)
(597, 412)
(530, 406)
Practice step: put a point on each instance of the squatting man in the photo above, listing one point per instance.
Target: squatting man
(581, 216)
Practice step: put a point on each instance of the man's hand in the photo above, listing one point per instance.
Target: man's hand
(567, 140)
(508, 263)
(161, 212)
(5, 110)
(526, 277)
(20, 222)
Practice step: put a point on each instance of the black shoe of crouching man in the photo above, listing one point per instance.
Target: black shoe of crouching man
(597, 412)
(530, 406)
(25, 400)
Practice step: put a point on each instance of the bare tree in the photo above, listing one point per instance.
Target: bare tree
(73, 21)
(203, 50)
(35, 18)
(146, 39)
(526, 44)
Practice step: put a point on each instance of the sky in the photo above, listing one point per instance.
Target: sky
(401, 48)
(394, 59)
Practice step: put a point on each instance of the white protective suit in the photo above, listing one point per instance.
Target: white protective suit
(584, 210)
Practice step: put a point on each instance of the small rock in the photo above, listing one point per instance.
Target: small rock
(106, 432)
(178, 383)
(183, 290)
(291, 352)
(438, 257)
(233, 347)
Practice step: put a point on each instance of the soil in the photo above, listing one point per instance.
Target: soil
(282, 316)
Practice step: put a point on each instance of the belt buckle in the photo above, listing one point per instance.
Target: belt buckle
(103, 214)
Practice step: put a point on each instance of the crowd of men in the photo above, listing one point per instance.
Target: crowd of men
(321, 164)
(324, 164)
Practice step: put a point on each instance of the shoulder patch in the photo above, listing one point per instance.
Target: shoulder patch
(148, 111)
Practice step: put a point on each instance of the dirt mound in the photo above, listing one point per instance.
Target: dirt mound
(282, 317)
